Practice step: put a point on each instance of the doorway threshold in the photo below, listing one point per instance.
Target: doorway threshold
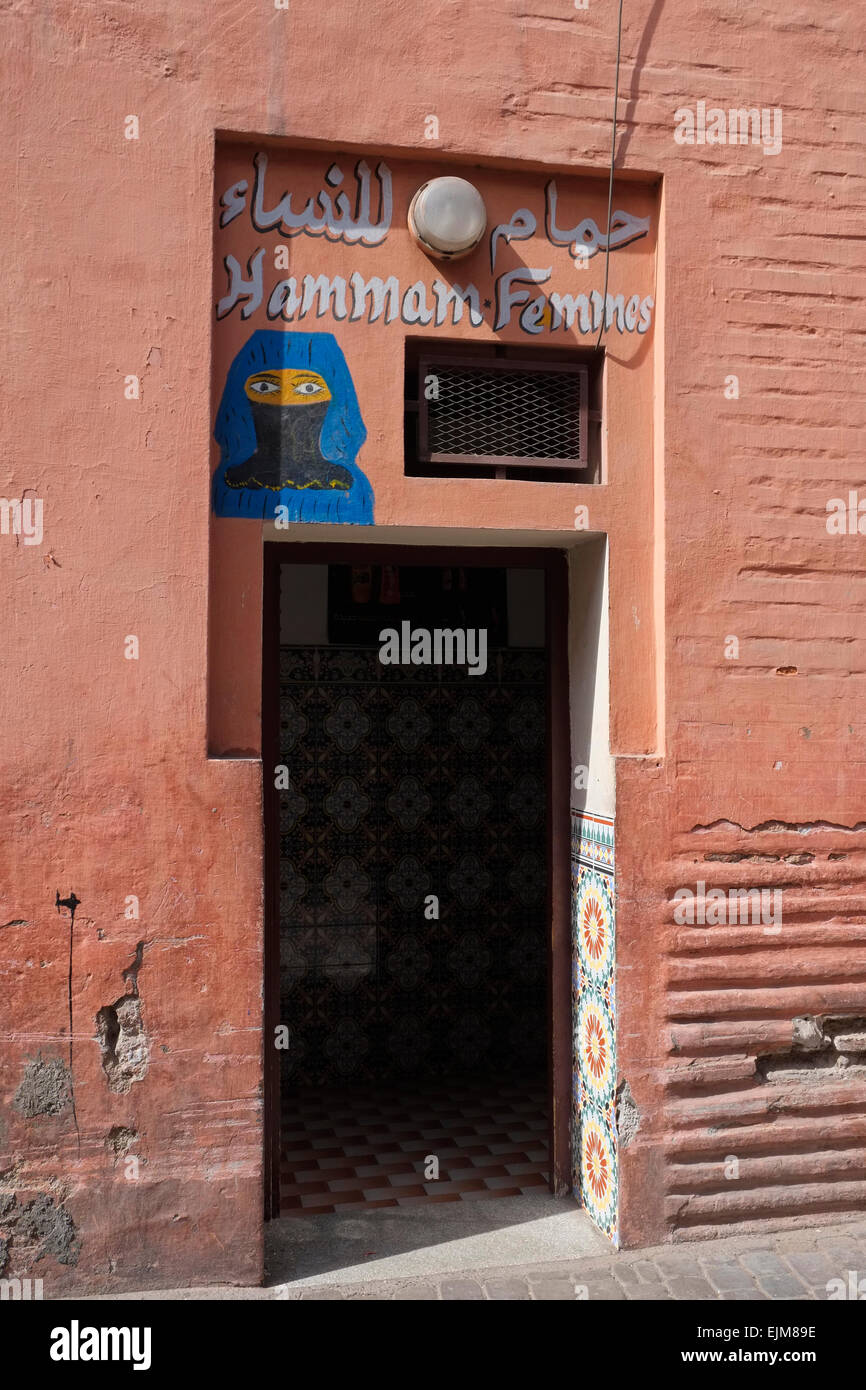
(436, 1239)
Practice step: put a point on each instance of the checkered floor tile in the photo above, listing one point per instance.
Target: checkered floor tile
(350, 1150)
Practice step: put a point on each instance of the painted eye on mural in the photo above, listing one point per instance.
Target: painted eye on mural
(308, 388)
(265, 388)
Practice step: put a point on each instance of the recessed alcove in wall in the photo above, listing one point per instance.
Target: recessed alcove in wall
(358, 314)
(532, 413)
(364, 306)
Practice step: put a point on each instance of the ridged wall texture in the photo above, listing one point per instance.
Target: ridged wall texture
(740, 764)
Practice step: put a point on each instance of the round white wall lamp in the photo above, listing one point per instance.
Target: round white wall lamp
(447, 217)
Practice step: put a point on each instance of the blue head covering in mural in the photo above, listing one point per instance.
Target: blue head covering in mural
(289, 430)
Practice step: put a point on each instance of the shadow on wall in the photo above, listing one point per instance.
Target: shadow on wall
(626, 118)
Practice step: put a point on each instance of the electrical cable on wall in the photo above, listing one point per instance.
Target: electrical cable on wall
(603, 323)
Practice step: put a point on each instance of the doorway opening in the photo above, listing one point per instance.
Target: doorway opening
(415, 716)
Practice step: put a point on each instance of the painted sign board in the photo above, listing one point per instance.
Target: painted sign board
(318, 282)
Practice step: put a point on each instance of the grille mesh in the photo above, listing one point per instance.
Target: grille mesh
(505, 413)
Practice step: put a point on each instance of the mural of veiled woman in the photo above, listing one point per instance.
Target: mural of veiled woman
(289, 430)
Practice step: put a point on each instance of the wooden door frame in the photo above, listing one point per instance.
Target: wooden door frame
(559, 1023)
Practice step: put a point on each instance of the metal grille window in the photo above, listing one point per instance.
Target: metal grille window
(498, 414)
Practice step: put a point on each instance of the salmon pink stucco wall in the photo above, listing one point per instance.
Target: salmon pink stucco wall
(129, 772)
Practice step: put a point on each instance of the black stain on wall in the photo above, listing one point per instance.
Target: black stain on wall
(71, 903)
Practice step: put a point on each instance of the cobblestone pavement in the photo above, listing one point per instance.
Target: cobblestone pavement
(790, 1265)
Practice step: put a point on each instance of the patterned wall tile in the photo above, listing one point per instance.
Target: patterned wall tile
(594, 1018)
(407, 782)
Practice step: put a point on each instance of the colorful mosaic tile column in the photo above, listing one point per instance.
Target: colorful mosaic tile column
(594, 1018)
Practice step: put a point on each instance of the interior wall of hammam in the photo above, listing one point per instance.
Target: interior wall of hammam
(403, 781)
(368, 357)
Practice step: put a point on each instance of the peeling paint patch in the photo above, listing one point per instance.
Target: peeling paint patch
(830, 1049)
(31, 1230)
(120, 1032)
(45, 1089)
(120, 1140)
(797, 827)
(125, 1053)
(627, 1115)
(738, 857)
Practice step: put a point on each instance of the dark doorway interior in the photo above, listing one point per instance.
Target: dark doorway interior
(413, 897)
